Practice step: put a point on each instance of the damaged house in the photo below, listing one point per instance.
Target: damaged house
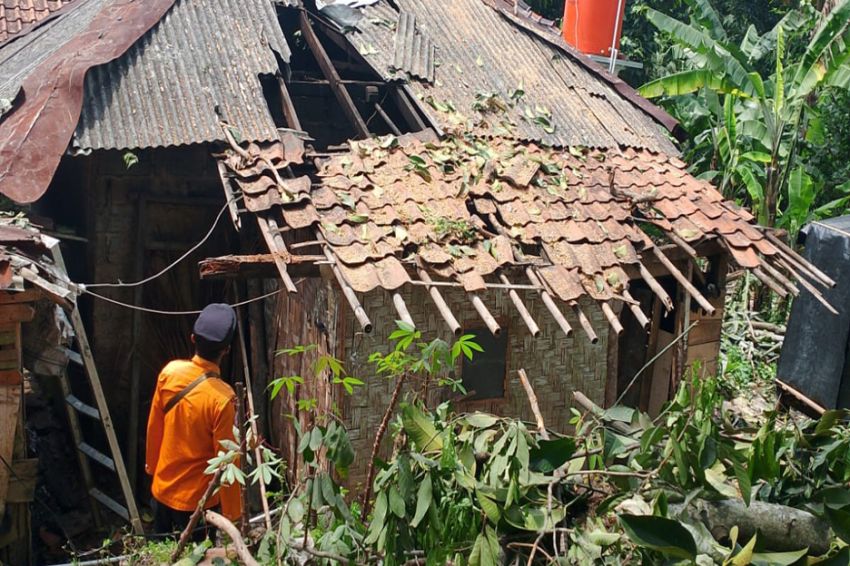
(451, 164)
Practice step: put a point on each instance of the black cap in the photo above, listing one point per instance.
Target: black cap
(216, 323)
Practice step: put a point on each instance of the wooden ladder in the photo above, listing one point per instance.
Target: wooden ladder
(85, 451)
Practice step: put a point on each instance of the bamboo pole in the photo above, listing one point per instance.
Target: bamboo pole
(485, 315)
(770, 282)
(684, 281)
(442, 307)
(639, 314)
(656, 287)
(549, 302)
(779, 276)
(401, 309)
(351, 297)
(520, 307)
(532, 399)
(811, 289)
(786, 250)
(243, 453)
(612, 318)
(585, 324)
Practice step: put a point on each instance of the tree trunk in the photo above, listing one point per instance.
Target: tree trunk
(779, 527)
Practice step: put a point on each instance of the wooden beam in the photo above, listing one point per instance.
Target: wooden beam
(770, 282)
(797, 259)
(347, 291)
(408, 110)
(328, 70)
(28, 296)
(656, 287)
(549, 302)
(485, 315)
(19, 312)
(258, 266)
(780, 277)
(521, 309)
(401, 309)
(442, 307)
(288, 108)
(684, 281)
(387, 120)
(232, 207)
(271, 233)
(811, 289)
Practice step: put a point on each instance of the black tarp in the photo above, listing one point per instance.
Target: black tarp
(814, 358)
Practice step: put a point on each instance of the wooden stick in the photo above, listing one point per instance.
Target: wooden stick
(786, 250)
(800, 397)
(366, 504)
(769, 281)
(549, 302)
(401, 308)
(582, 400)
(288, 108)
(535, 408)
(690, 251)
(585, 324)
(656, 287)
(387, 120)
(196, 515)
(442, 307)
(612, 318)
(330, 73)
(779, 276)
(243, 452)
(485, 315)
(811, 289)
(351, 297)
(639, 315)
(231, 531)
(276, 245)
(521, 309)
(258, 453)
(684, 281)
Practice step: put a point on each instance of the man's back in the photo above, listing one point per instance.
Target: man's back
(182, 440)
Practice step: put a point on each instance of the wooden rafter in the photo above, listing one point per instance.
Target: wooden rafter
(442, 307)
(347, 291)
(683, 281)
(549, 302)
(331, 75)
(521, 309)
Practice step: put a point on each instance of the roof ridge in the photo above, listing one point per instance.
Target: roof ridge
(550, 34)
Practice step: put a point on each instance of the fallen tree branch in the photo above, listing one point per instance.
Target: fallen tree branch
(196, 516)
(779, 527)
(379, 436)
(532, 399)
(223, 524)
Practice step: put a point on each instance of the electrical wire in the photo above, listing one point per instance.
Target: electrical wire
(177, 261)
(177, 313)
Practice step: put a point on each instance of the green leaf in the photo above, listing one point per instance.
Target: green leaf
(745, 557)
(485, 549)
(489, 506)
(778, 558)
(549, 455)
(397, 503)
(423, 501)
(420, 428)
(379, 515)
(841, 558)
(657, 533)
(839, 520)
(481, 420)
(718, 482)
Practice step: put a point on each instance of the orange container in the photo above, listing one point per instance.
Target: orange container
(590, 25)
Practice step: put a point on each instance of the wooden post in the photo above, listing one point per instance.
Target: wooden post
(243, 453)
(136, 360)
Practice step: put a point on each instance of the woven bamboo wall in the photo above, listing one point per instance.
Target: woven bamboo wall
(307, 318)
(557, 365)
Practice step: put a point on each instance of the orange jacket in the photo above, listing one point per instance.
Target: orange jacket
(180, 443)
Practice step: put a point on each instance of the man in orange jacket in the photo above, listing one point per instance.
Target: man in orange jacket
(191, 413)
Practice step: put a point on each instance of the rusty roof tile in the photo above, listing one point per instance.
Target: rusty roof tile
(745, 257)
(358, 253)
(472, 281)
(300, 215)
(565, 284)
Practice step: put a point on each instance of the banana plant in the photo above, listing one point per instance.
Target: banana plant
(756, 113)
